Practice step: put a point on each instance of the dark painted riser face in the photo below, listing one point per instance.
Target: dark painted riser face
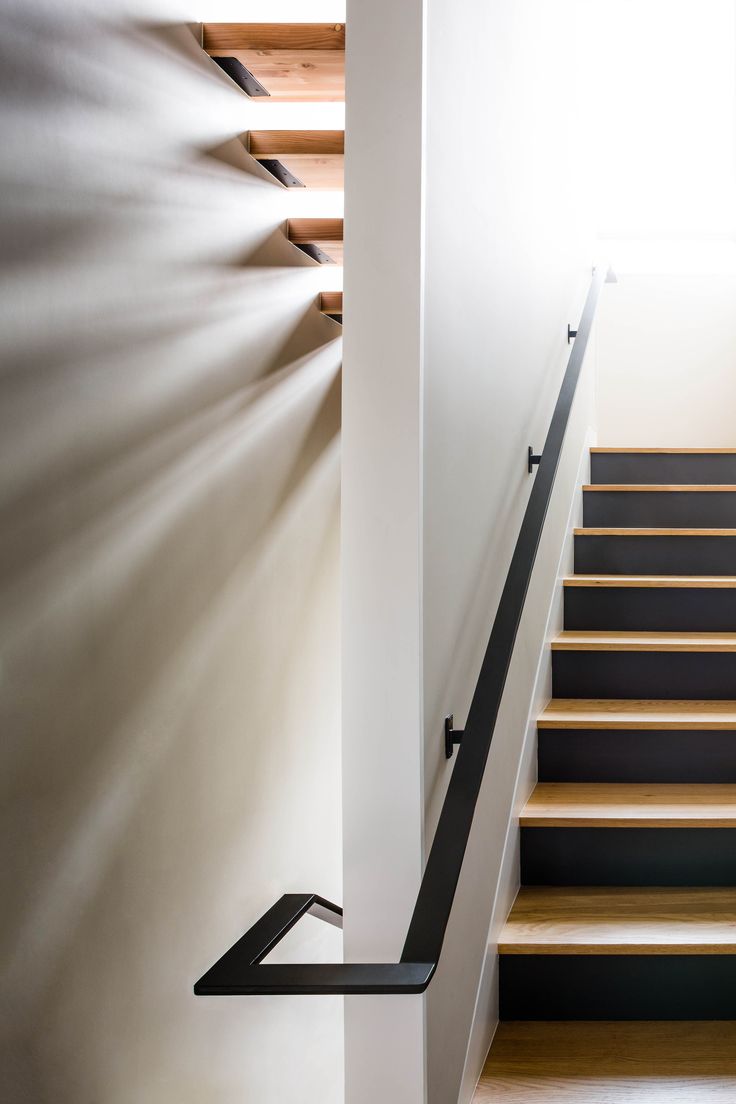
(654, 609)
(649, 755)
(617, 987)
(662, 468)
(628, 856)
(660, 509)
(710, 675)
(655, 555)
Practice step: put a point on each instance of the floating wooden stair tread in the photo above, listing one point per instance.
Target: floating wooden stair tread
(667, 451)
(594, 920)
(696, 582)
(634, 532)
(630, 805)
(321, 239)
(643, 488)
(301, 158)
(610, 1062)
(597, 641)
(289, 61)
(635, 714)
(330, 302)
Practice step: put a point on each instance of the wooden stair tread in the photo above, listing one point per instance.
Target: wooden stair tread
(315, 157)
(281, 143)
(595, 920)
(595, 640)
(643, 488)
(667, 451)
(638, 532)
(293, 61)
(610, 1062)
(623, 713)
(630, 804)
(330, 302)
(696, 582)
(325, 233)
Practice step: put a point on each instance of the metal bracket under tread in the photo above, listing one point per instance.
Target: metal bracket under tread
(242, 76)
(314, 252)
(278, 170)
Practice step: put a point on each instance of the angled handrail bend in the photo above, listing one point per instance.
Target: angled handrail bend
(241, 970)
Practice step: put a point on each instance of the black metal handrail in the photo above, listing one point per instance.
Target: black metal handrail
(241, 970)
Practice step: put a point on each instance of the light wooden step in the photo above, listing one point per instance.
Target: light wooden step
(330, 303)
(630, 805)
(301, 158)
(643, 488)
(620, 713)
(634, 532)
(668, 451)
(695, 582)
(611, 1062)
(598, 641)
(320, 238)
(291, 61)
(593, 920)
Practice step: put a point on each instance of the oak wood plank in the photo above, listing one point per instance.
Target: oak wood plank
(301, 62)
(634, 532)
(280, 143)
(667, 451)
(696, 582)
(630, 805)
(326, 233)
(646, 488)
(330, 302)
(595, 920)
(634, 713)
(222, 38)
(596, 640)
(617, 1062)
(315, 157)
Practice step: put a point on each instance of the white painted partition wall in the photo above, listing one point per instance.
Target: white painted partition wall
(478, 213)
(382, 533)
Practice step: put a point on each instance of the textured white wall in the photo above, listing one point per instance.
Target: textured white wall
(169, 494)
(667, 361)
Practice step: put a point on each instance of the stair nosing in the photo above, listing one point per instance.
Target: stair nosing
(660, 488)
(644, 582)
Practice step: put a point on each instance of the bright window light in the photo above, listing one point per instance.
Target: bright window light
(665, 79)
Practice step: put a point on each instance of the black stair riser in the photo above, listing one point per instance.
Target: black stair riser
(610, 674)
(660, 509)
(628, 856)
(617, 987)
(655, 555)
(625, 755)
(653, 609)
(662, 468)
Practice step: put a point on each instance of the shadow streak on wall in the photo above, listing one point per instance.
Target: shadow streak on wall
(169, 492)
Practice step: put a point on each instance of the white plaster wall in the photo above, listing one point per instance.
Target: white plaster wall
(169, 495)
(667, 360)
(382, 534)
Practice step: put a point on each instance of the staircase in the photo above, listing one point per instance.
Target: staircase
(292, 63)
(627, 907)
